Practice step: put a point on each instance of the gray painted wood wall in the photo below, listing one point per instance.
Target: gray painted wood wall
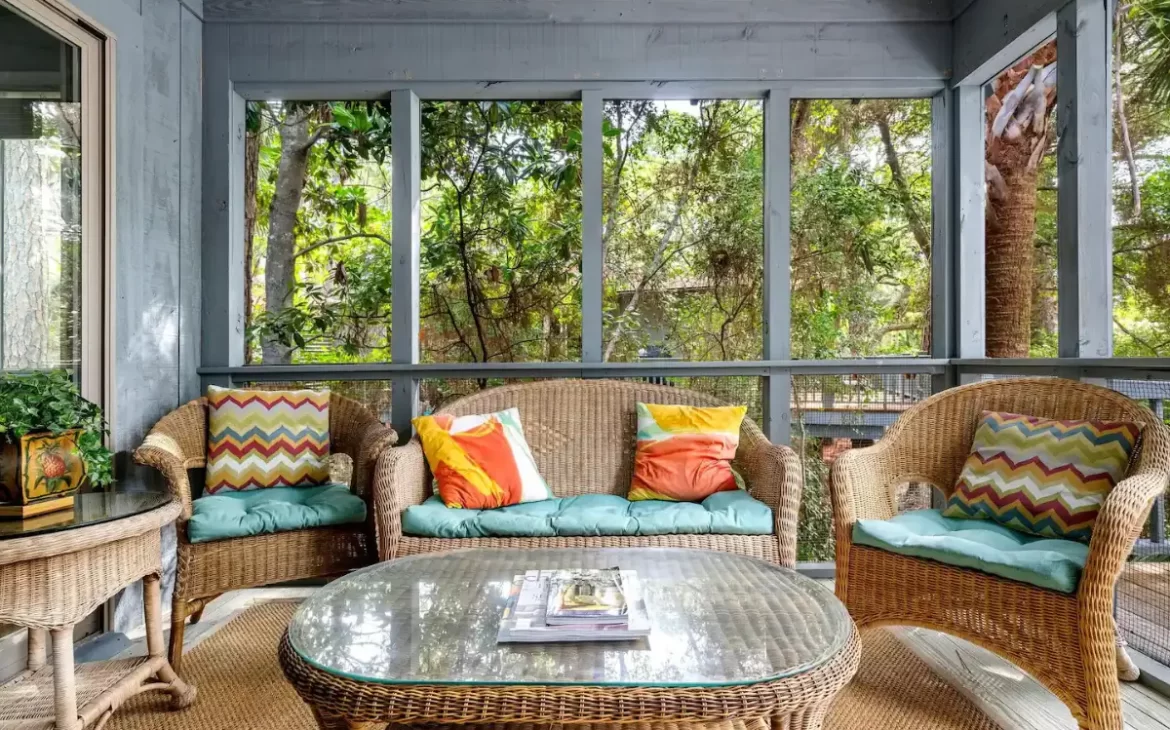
(158, 178)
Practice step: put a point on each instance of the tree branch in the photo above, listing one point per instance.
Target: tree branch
(339, 239)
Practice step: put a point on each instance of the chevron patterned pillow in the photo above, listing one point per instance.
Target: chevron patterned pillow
(1041, 476)
(266, 438)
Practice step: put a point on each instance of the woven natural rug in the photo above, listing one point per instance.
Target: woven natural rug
(241, 686)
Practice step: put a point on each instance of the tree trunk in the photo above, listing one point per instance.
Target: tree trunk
(1010, 251)
(282, 220)
(251, 173)
(32, 245)
(917, 226)
(1017, 138)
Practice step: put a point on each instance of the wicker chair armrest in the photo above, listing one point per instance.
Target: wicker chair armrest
(861, 484)
(378, 438)
(1118, 525)
(773, 476)
(400, 480)
(160, 452)
(356, 432)
(176, 443)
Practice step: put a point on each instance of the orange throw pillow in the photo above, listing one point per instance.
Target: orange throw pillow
(684, 453)
(481, 461)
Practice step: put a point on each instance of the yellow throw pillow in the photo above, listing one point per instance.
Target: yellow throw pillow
(266, 438)
(684, 453)
(481, 461)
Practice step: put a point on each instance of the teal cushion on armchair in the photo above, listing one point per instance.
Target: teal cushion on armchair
(979, 544)
(275, 509)
(734, 512)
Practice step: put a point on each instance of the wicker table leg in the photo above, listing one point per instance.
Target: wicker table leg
(37, 647)
(326, 721)
(182, 693)
(810, 718)
(64, 682)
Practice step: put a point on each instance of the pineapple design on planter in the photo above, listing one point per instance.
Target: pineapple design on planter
(53, 469)
(41, 466)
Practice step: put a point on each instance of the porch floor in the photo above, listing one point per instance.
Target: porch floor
(1005, 694)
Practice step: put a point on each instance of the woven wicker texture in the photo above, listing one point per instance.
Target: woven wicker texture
(582, 434)
(1068, 642)
(178, 443)
(51, 581)
(892, 690)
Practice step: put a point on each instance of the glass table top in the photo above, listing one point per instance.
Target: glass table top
(716, 619)
(88, 509)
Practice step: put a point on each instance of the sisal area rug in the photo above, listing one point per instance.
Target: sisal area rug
(241, 686)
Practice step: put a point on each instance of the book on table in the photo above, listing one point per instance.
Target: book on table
(590, 606)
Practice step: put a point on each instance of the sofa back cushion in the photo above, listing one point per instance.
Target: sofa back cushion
(684, 453)
(1042, 476)
(582, 432)
(266, 438)
(481, 461)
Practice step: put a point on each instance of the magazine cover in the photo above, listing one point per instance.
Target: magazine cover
(595, 596)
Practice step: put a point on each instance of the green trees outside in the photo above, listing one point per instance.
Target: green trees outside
(1141, 191)
(501, 238)
(682, 207)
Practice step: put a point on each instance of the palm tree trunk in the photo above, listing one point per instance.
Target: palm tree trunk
(1009, 268)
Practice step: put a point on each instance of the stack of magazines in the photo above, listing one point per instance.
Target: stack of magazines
(575, 605)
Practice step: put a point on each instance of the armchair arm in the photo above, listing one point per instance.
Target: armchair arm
(400, 480)
(1122, 517)
(177, 443)
(356, 432)
(774, 477)
(860, 482)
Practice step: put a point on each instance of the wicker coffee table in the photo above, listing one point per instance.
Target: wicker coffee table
(736, 644)
(57, 569)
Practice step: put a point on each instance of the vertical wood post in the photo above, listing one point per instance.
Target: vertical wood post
(777, 263)
(968, 221)
(406, 229)
(942, 267)
(222, 263)
(1084, 229)
(592, 254)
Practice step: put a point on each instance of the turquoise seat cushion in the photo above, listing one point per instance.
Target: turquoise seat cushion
(275, 509)
(732, 512)
(979, 544)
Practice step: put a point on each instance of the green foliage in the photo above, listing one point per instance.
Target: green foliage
(860, 273)
(1141, 233)
(50, 401)
(501, 240)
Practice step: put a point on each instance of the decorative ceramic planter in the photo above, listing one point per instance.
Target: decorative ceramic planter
(39, 474)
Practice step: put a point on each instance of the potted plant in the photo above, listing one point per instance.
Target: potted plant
(52, 443)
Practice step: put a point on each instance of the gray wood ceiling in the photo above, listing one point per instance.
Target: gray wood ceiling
(581, 11)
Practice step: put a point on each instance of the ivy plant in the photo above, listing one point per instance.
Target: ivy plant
(50, 401)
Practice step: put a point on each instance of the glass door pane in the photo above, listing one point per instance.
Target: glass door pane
(40, 197)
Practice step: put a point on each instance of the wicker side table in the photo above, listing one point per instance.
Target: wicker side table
(53, 577)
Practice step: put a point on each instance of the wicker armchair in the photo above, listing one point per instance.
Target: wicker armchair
(1067, 642)
(205, 570)
(582, 433)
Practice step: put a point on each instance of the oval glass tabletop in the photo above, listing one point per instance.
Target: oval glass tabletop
(91, 508)
(716, 619)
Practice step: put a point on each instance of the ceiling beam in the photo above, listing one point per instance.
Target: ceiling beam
(576, 11)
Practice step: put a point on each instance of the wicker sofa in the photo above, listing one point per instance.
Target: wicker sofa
(205, 570)
(582, 434)
(1066, 640)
